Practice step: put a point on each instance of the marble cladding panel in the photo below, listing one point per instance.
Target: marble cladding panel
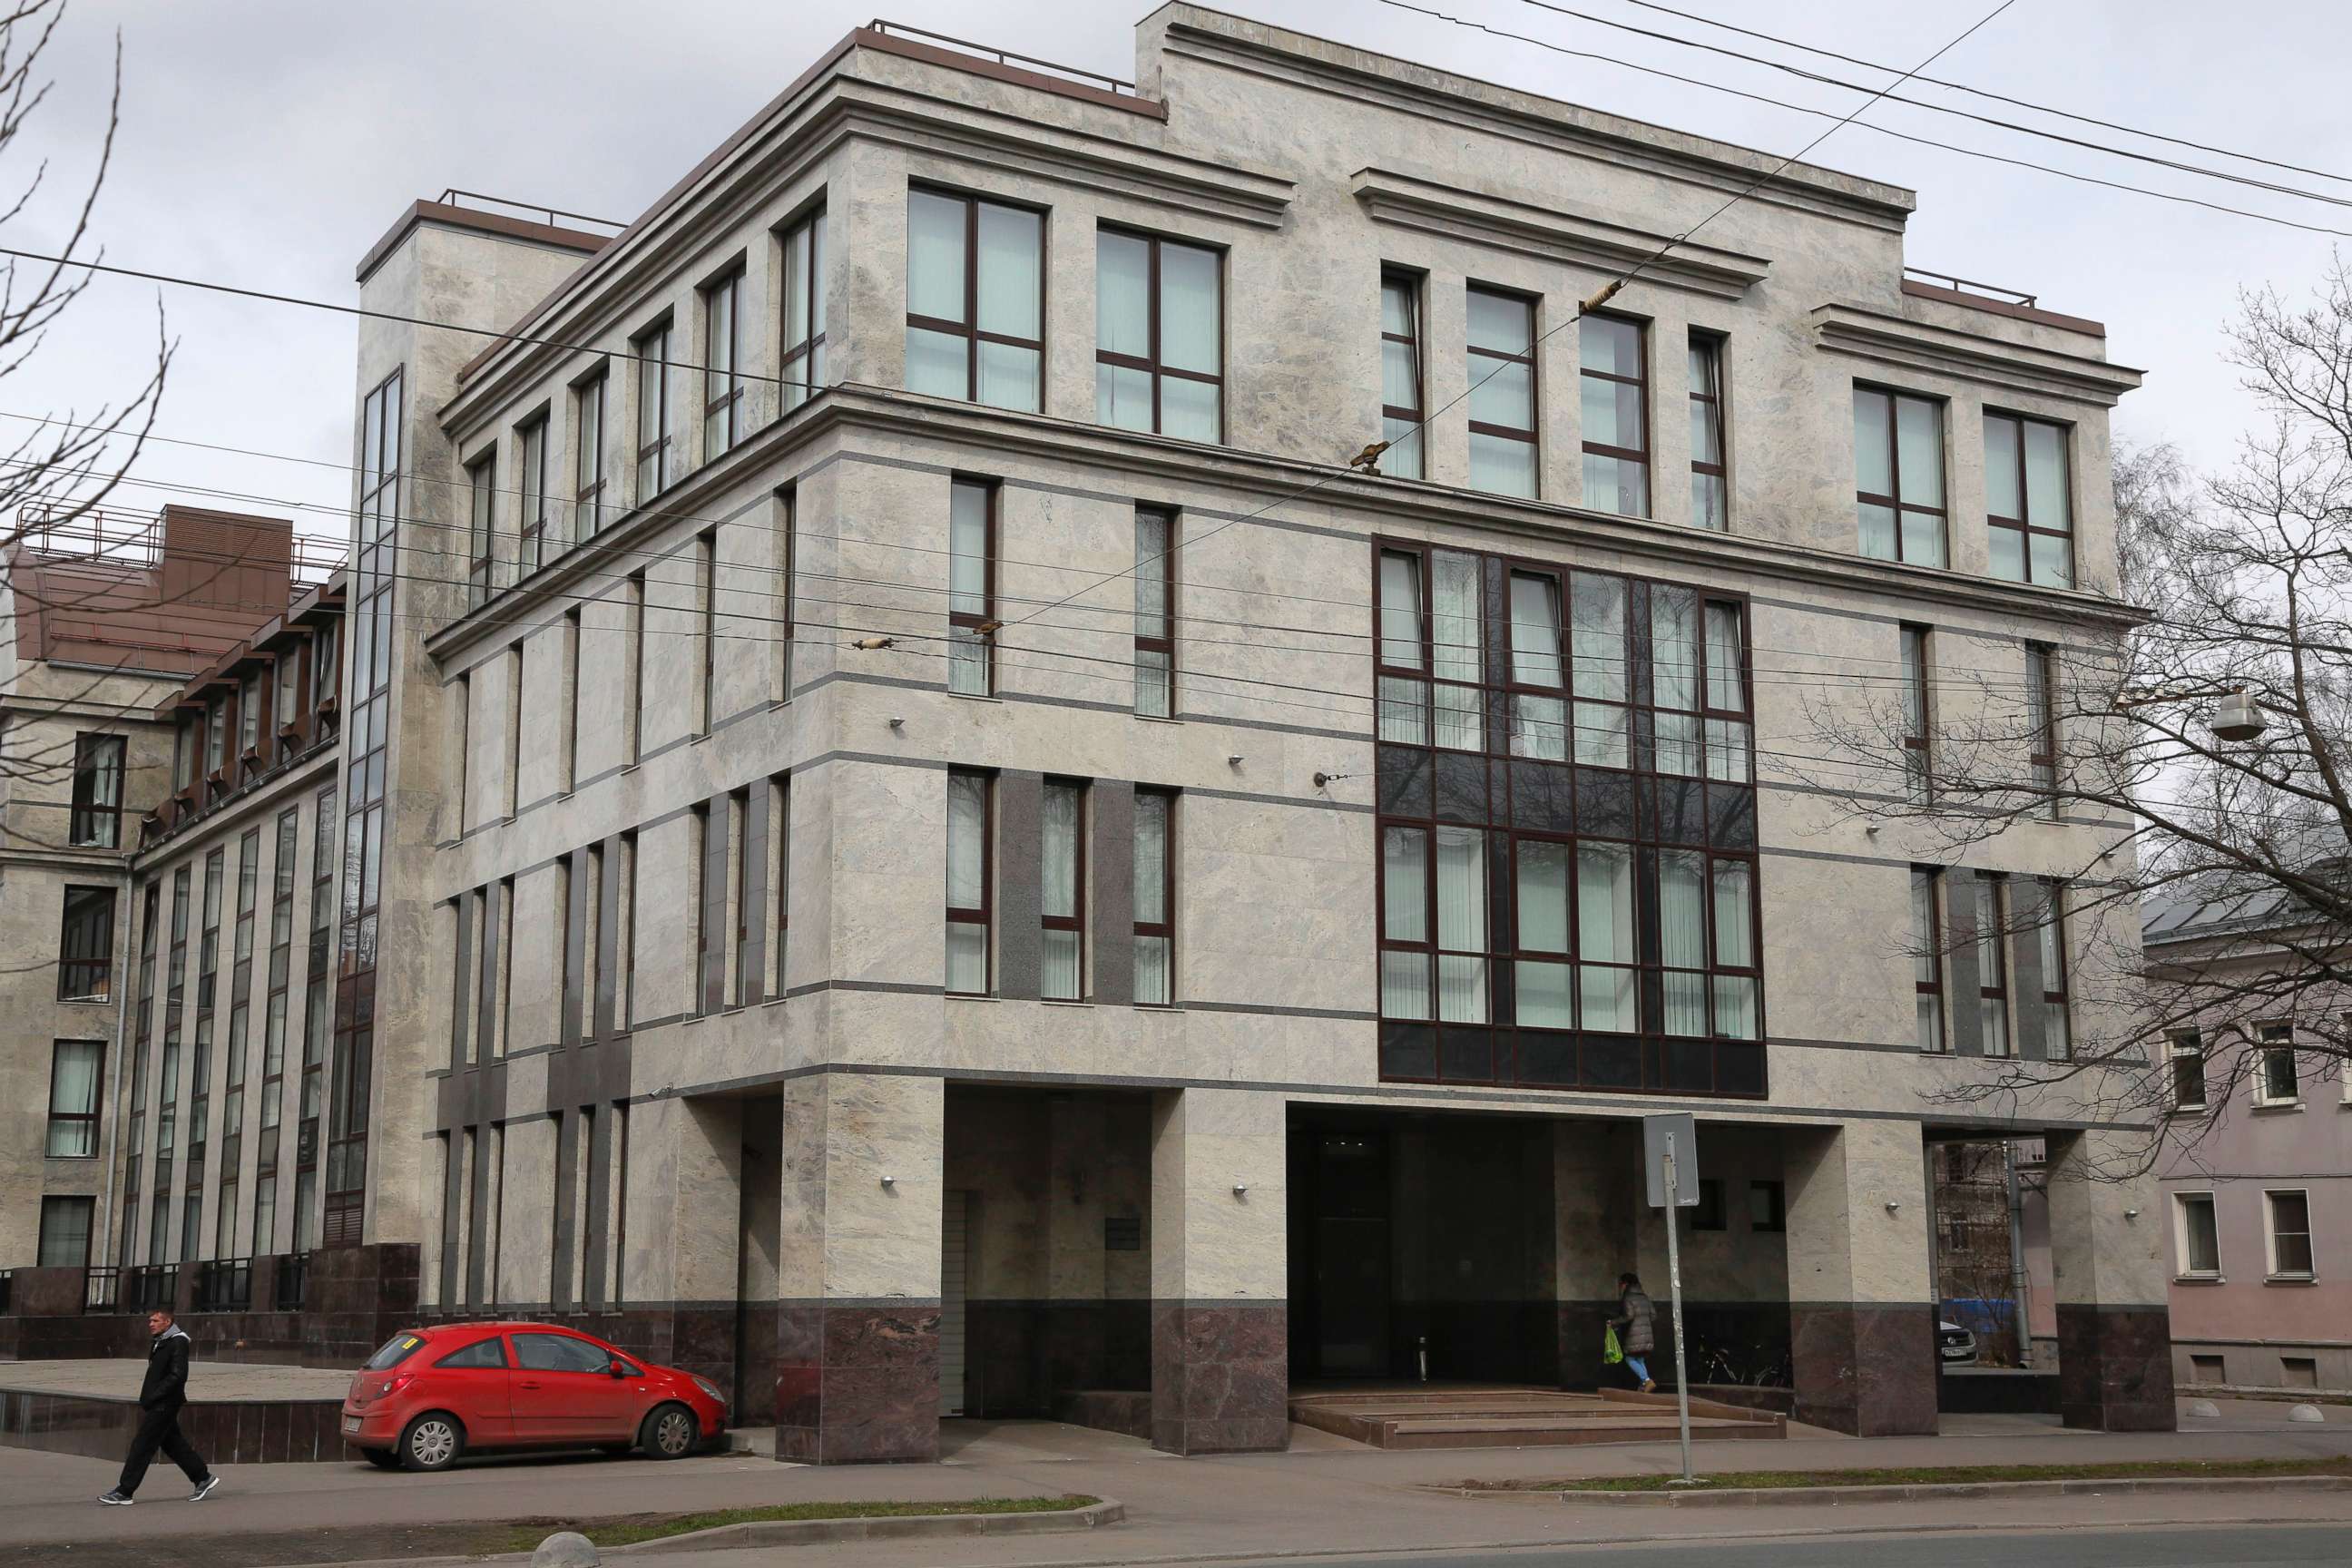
(1867, 1369)
(883, 1239)
(2114, 1368)
(856, 1383)
(1219, 1186)
(1220, 1376)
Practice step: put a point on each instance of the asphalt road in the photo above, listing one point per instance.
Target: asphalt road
(2269, 1546)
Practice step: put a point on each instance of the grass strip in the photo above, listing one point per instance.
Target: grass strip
(628, 1530)
(1936, 1475)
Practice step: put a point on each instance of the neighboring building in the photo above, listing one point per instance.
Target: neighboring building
(2257, 1187)
(106, 615)
(895, 853)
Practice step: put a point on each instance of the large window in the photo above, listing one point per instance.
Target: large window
(656, 446)
(65, 1231)
(800, 363)
(532, 465)
(1433, 923)
(1899, 457)
(2197, 1240)
(1502, 355)
(2289, 1233)
(1155, 629)
(86, 945)
(724, 419)
(1614, 374)
(1927, 955)
(2275, 1078)
(1159, 336)
(1155, 897)
(969, 867)
(2057, 1023)
(74, 1067)
(2030, 520)
(1711, 495)
(481, 528)
(1992, 964)
(588, 455)
(975, 299)
(96, 818)
(1918, 754)
(1062, 900)
(972, 588)
(1402, 381)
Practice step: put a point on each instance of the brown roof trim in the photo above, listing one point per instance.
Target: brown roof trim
(1918, 290)
(423, 212)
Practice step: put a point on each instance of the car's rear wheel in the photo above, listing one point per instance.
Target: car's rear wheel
(381, 1459)
(432, 1442)
(669, 1432)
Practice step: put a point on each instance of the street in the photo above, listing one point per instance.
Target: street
(2290, 1546)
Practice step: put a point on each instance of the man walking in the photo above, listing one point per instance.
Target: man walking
(160, 1397)
(1636, 1326)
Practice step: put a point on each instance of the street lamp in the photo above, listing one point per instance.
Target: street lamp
(2239, 718)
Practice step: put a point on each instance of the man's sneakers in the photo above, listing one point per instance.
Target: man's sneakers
(115, 1498)
(212, 1484)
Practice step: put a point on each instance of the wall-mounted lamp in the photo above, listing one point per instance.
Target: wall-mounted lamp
(889, 1181)
(1892, 1205)
(1872, 830)
(1234, 761)
(897, 724)
(1241, 1189)
(2131, 1214)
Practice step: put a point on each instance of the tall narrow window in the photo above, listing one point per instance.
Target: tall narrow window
(1730, 736)
(1614, 376)
(1538, 679)
(968, 883)
(1401, 376)
(97, 817)
(1710, 498)
(2196, 1239)
(655, 468)
(248, 714)
(531, 527)
(1927, 955)
(1992, 965)
(1918, 772)
(2057, 1029)
(1159, 336)
(86, 945)
(787, 553)
(1899, 456)
(1155, 897)
(972, 588)
(1502, 351)
(723, 422)
(706, 584)
(1155, 632)
(2185, 1051)
(975, 299)
(1063, 892)
(2276, 1082)
(1402, 681)
(2290, 1234)
(73, 1099)
(2042, 722)
(1737, 980)
(1598, 669)
(1545, 980)
(2029, 517)
(800, 363)
(588, 456)
(1433, 923)
(634, 713)
(1456, 649)
(1604, 936)
(481, 528)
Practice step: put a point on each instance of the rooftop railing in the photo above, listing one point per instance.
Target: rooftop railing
(1970, 286)
(1004, 57)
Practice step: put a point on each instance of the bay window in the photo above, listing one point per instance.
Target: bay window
(1539, 709)
(1158, 335)
(1434, 936)
(1597, 637)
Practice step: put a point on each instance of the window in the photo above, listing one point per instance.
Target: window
(1401, 375)
(1433, 923)
(972, 588)
(655, 445)
(560, 1353)
(1159, 336)
(1538, 679)
(73, 1099)
(1993, 966)
(2057, 1028)
(1063, 892)
(1155, 897)
(1767, 1205)
(2041, 720)
(481, 526)
(1898, 456)
(96, 818)
(1708, 946)
(1710, 487)
(633, 599)
(2027, 516)
(588, 456)
(1614, 375)
(801, 356)
(1698, 685)
(2274, 1080)
(86, 945)
(707, 902)
(2187, 1050)
(786, 514)
(969, 856)
(185, 746)
(1502, 351)
(488, 1354)
(706, 584)
(1402, 697)
(1155, 632)
(65, 1232)
(531, 460)
(216, 736)
(723, 413)
(2197, 1240)
(2290, 1235)
(975, 299)
(1708, 1214)
(1919, 758)
(1927, 955)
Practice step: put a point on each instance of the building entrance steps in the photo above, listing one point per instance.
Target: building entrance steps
(1421, 1415)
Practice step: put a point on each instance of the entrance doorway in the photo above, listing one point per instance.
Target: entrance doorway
(1347, 1253)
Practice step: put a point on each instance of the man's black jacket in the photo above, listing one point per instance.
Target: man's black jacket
(166, 1387)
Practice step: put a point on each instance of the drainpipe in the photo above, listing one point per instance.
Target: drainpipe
(2018, 1278)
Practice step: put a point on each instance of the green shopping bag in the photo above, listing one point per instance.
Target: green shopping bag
(1611, 1353)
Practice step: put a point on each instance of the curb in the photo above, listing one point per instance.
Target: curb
(1771, 1497)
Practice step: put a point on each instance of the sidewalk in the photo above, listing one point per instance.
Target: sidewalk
(1326, 1495)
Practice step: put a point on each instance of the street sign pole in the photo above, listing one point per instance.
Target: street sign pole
(1674, 1289)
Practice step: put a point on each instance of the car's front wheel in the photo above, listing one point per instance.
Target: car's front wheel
(669, 1432)
(431, 1442)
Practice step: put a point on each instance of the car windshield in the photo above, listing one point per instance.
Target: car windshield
(397, 1349)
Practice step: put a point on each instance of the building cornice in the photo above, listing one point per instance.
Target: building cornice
(1858, 331)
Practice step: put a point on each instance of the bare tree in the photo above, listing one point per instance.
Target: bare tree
(2237, 589)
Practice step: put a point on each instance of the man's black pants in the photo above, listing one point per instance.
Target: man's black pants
(159, 1429)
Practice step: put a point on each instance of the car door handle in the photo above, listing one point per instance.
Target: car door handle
(528, 1383)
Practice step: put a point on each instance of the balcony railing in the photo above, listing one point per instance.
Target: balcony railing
(99, 1288)
(148, 1287)
(224, 1285)
(293, 1282)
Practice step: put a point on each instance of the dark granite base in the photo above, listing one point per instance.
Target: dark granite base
(2114, 1368)
(1220, 1376)
(1866, 1369)
(858, 1382)
(238, 1432)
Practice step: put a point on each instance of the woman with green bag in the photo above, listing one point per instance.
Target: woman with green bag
(1638, 1318)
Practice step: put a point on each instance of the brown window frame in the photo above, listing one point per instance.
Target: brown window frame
(2181, 1047)
(981, 624)
(1076, 921)
(1918, 698)
(983, 913)
(76, 1119)
(2041, 720)
(1153, 364)
(796, 384)
(2056, 966)
(1992, 887)
(1163, 929)
(2025, 528)
(655, 448)
(90, 820)
(1895, 397)
(970, 328)
(1934, 956)
(481, 527)
(1642, 384)
(1709, 346)
(706, 571)
(1416, 285)
(530, 464)
(726, 392)
(1533, 435)
(1162, 645)
(587, 457)
(86, 976)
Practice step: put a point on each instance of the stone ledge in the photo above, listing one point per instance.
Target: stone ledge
(1771, 1497)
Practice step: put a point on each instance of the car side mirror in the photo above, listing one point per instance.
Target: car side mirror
(619, 1371)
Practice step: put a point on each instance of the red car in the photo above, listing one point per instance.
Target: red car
(430, 1394)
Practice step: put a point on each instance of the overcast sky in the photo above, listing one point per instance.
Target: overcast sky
(269, 145)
